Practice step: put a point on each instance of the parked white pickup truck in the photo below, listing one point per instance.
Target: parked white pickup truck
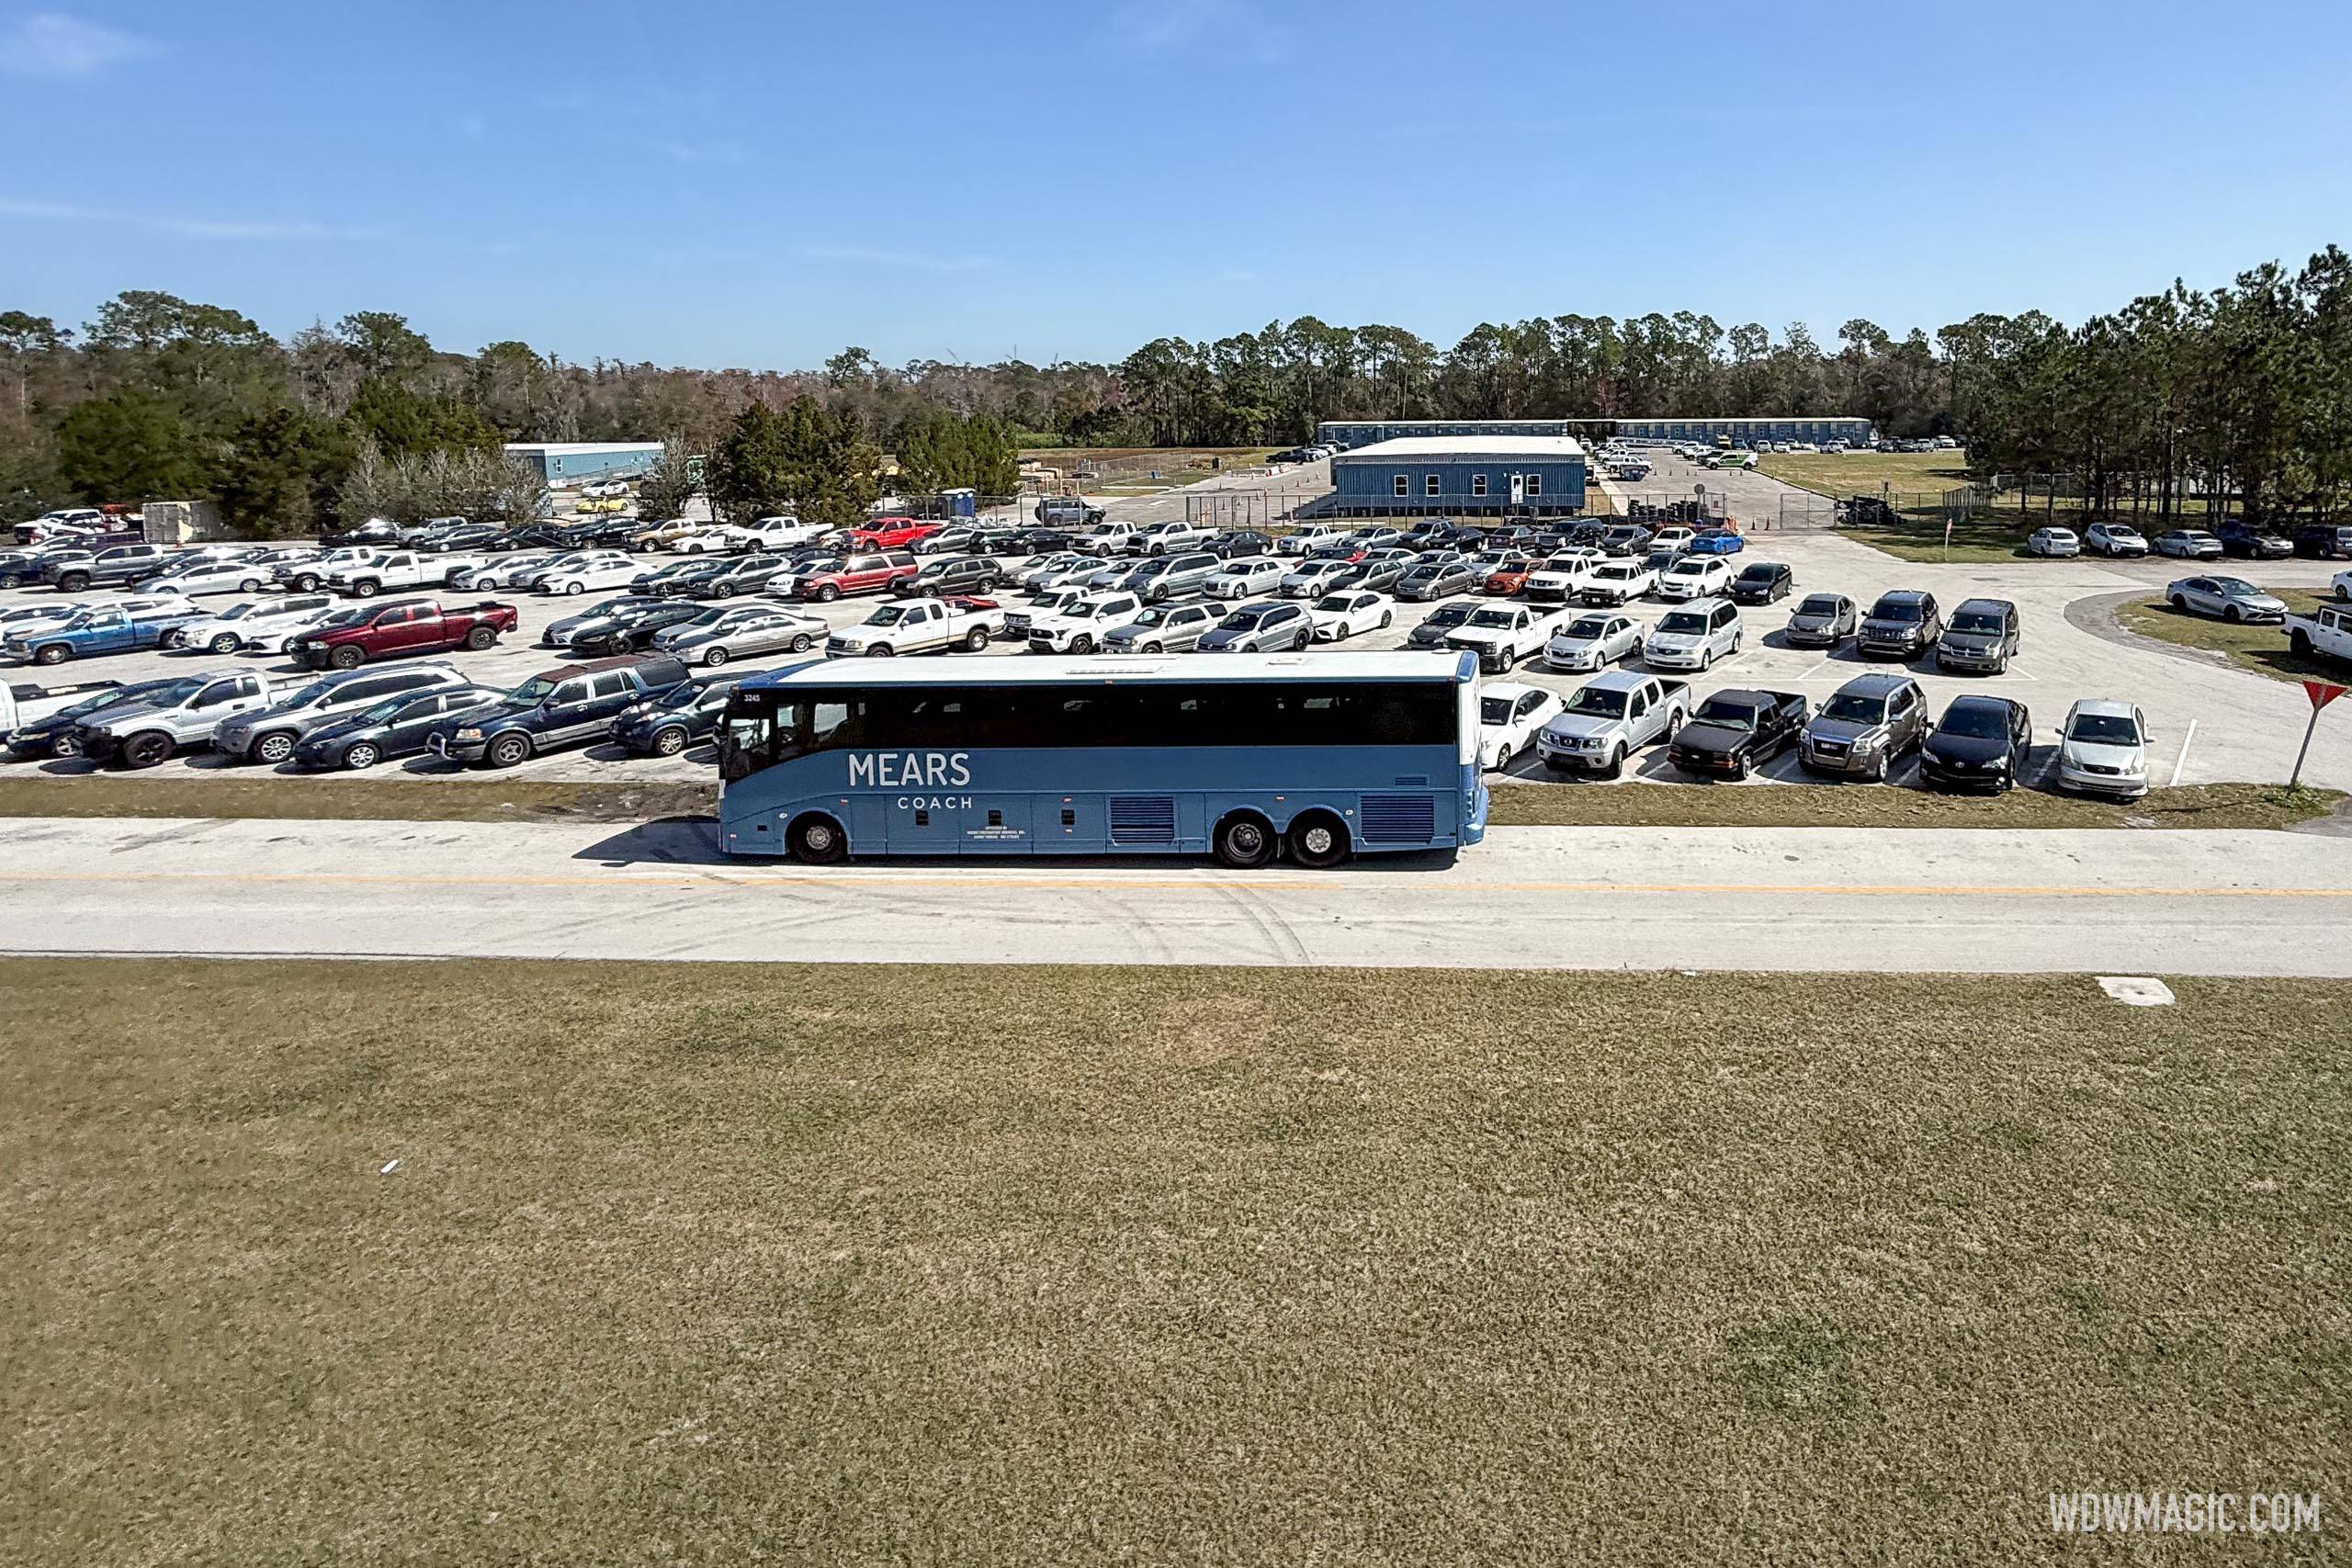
(398, 569)
(2328, 629)
(1609, 719)
(1502, 634)
(919, 626)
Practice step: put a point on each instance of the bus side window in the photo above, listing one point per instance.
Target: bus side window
(831, 727)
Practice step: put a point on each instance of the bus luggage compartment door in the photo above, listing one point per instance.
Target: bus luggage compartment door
(996, 825)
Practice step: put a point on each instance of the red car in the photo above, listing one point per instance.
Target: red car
(828, 579)
(410, 625)
(1510, 580)
(890, 534)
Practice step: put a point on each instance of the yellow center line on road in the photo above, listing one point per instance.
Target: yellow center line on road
(732, 881)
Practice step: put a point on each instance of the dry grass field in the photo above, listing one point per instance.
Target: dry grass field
(715, 1264)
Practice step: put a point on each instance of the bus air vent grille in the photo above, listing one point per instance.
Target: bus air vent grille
(1142, 818)
(1391, 817)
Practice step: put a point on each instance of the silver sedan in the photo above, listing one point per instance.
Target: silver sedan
(725, 632)
(2224, 599)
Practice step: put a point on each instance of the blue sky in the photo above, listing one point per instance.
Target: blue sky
(758, 184)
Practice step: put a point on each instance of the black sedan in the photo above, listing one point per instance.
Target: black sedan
(1761, 581)
(1237, 542)
(397, 726)
(667, 725)
(1979, 743)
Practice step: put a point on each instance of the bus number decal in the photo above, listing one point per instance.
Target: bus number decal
(909, 769)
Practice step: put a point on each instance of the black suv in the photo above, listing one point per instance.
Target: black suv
(2325, 540)
(571, 705)
(1235, 542)
(960, 574)
(1904, 623)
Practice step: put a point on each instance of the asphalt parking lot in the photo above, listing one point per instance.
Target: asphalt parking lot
(2211, 722)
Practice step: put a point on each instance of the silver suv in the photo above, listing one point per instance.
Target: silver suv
(1165, 577)
(1164, 629)
(269, 735)
(1866, 724)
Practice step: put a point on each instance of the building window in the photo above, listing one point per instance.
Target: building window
(1535, 484)
(1404, 486)
(1430, 484)
(1477, 484)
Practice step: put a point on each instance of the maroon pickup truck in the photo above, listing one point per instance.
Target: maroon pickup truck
(406, 625)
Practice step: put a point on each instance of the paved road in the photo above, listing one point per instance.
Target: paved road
(2103, 902)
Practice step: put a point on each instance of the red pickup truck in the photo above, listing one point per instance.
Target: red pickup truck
(407, 626)
(826, 580)
(890, 534)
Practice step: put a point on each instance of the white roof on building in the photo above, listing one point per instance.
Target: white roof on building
(1113, 670)
(581, 448)
(1532, 448)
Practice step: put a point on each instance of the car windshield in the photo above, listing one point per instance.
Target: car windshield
(1494, 710)
(537, 689)
(2237, 588)
(1725, 712)
(1689, 568)
(684, 696)
(1586, 630)
(1244, 620)
(382, 712)
(1332, 602)
(1156, 618)
(2104, 729)
(1597, 700)
(1852, 708)
(1450, 616)
(826, 563)
(350, 617)
(240, 611)
(1895, 610)
(1977, 721)
(1616, 573)
(1492, 618)
(1975, 621)
(1819, 605)
(1683, 621)
(888, 615)
(164, 693)
(316, 692)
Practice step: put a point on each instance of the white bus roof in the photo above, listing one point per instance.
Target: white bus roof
(1188, 667)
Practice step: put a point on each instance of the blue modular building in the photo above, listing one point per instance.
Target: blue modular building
(562, 463)
(1349, 434)
(1819, 427)
(1484, 475)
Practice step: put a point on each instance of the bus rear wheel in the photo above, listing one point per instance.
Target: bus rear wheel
(1245, 840)
(816, 840)
(1318, 840)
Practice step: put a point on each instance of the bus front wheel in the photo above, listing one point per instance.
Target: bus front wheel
(1318, 840)
(1245, 840)
(817, 839)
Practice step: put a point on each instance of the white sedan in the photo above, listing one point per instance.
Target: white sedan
(596, 490)
(210, 577)
(261, 624)
(1345, 613)
(1695, 577)
(1247, 577)
(2341, 586)
(618, 572)
(2055, 544)
(1510, 716)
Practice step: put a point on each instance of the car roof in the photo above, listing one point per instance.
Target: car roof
(1981, 700)
(1983, 606)
(2104, 707)
(1902, 595)
(1511, 689)
(1874, 685)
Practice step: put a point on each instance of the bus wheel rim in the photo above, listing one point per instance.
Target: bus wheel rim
(1318, 841)
(820, 836)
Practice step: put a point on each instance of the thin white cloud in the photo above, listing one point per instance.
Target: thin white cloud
(1232, 30)
(51, 43)
(911, 260)
(187, 228)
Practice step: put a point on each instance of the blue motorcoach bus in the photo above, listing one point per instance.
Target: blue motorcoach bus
(1242, 756)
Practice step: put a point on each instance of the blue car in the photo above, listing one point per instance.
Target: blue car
(101, 628)
(1717, 542)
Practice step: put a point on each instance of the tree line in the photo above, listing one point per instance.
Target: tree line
(2240, 395)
